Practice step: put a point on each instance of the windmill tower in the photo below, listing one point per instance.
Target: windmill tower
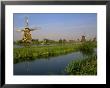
(27, 38)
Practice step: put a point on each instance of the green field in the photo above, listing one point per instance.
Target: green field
(36, 52)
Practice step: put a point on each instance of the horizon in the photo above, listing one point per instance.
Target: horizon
(55, 26)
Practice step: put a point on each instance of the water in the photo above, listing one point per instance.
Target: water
(44, 66)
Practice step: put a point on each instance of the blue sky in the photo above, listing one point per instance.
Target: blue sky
(58, 25)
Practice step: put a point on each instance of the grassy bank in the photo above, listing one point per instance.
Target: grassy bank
(34, 52)
(86, 66)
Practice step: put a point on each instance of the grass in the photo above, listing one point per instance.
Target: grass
(36, 52)
(87, 66)
(87, 48)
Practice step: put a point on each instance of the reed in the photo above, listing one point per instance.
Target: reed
(87, 66)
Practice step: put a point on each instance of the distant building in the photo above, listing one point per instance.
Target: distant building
(83, 39)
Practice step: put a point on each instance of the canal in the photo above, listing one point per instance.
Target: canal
(46, 66)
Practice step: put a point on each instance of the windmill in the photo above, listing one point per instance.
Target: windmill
(27, 37)
(83, 38)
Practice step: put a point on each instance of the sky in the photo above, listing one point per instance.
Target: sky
(55, 26)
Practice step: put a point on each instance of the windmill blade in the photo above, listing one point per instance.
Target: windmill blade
(19, 30)
(35, 28)
(32, 29)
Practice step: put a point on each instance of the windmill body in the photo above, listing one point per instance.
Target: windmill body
(27, 38)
